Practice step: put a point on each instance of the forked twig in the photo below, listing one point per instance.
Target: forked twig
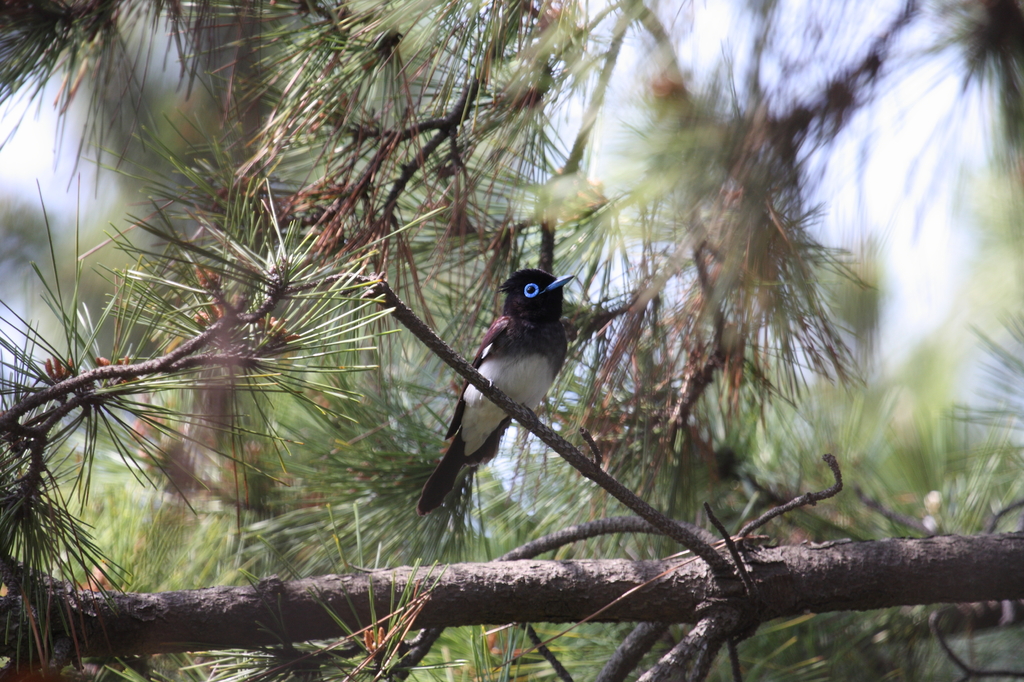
(692, 657)
(805, 499)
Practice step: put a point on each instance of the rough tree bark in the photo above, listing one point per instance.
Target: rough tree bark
(836, 576)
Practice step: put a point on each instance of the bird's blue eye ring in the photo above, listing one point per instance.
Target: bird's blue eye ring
(531, 290)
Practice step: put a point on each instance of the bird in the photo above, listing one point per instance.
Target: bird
(521, 354)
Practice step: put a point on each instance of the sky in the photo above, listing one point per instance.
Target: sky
(901, 173)
(908, 186)
(904, 171)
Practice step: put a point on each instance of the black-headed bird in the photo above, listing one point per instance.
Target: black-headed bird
(521, 354)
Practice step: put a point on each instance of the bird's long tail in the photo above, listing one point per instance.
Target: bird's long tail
(442, 480)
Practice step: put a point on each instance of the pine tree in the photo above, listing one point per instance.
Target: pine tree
(255, 402)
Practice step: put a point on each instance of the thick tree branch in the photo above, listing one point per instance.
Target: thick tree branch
(616, 524)
(793, 580)
(546, 259)
(420, 646)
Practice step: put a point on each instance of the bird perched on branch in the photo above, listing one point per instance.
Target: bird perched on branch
(521, 354)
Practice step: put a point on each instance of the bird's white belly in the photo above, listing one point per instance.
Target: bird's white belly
(525, 379)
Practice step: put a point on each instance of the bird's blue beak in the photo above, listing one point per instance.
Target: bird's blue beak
(561, 281)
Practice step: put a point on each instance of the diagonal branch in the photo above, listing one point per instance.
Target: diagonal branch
(544, 651)
(61, 389)
(628, 654)
(895, 516)
(444, 127)
(691, 659)
(23, 427)
(993, 523)
(572, 163)
(551, 438)
(748, 584)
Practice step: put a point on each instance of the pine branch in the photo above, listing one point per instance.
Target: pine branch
(591, 529)
(628, 654)
(838, 576)
(529, 420)
(804, 500)
(692, 657)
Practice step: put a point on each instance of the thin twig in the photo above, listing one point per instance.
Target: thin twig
(572, 163)
(444, 128)
(544, 651)
(969, 672)
(748, 583)
(734, 662)
(805, 499)
(590, 529)
(594, 450)
(602, 319)
(902, 519)
(78, 391)
(551, 438)
(388, 144)
(994, 521)
(419, 647)
(628, 654)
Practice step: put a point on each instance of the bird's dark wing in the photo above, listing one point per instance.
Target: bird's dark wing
(498, 328)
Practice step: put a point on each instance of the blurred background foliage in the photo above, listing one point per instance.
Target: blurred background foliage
(724, 337)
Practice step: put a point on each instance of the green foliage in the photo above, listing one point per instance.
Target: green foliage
(259, 416)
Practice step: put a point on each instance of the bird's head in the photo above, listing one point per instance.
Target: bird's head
(534, 294)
